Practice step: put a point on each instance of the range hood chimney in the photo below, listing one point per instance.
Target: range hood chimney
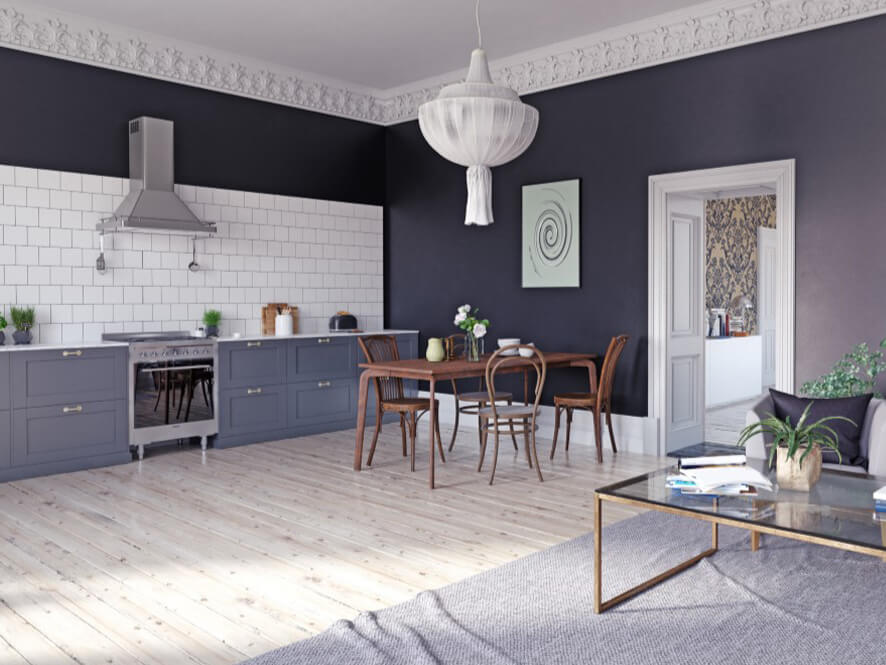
(151, 204)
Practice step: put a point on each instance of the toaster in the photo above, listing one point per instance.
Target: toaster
(342, 321)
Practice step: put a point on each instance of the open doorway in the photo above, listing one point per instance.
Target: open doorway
(721, 298)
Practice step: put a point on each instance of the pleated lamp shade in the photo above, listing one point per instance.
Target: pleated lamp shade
(478, 124)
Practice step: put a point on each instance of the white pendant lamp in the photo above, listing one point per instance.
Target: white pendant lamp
(478, 124)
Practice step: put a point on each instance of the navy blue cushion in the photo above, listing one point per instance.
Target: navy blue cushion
(848, 434)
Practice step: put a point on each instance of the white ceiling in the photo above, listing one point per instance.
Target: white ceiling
(374, 44)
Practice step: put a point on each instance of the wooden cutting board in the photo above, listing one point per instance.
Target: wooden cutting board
(269, 313)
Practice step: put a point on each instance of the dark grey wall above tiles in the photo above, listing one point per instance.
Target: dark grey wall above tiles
(66, 116)
(816, 97)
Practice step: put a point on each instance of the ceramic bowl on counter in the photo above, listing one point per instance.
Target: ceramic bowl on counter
(527, 353)
(508, 341)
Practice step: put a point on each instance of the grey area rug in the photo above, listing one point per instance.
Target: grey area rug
(787, 603)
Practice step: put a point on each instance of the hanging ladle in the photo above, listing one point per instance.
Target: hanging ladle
(193, 266)
(100, 264)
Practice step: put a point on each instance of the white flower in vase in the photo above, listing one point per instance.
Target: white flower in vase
(460, 317)
(479, 330)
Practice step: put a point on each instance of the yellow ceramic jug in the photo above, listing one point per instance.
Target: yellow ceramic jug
(435, 351)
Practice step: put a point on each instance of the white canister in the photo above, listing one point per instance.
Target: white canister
(283, 325)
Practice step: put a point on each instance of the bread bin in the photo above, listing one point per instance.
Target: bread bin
(342, 321)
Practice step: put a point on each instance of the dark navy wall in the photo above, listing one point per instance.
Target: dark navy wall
(817, 97)
(61, 115)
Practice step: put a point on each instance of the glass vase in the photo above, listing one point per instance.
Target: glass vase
(472, 348)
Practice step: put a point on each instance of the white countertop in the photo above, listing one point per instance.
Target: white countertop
(249, 338)
(53, 346)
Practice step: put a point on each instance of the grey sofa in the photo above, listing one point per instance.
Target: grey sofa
(873, 437)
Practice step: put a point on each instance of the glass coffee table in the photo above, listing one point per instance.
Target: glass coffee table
(837, 512)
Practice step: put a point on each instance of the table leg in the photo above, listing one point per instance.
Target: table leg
(432, 417)
(361, 419)
(598, 554)
(755, 541)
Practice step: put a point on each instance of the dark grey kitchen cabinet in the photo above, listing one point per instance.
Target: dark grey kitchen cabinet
(4, 381)
(318, 402)
(67, 432)
(321, 358)
(5, 440)
(61, 376)
(251, 363)
(252, 410)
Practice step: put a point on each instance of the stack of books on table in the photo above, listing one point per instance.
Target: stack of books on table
(880, 505)
(719, 475)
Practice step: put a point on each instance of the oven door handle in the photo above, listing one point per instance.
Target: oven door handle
(174, 369)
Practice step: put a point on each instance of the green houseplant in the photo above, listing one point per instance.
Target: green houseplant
(854, 374)
(3, 324)
(211, 318)
(23, 320)
(792, 445)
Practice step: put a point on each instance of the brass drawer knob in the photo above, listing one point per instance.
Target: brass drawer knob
(253, 391)
(73, 409)
(68, 354)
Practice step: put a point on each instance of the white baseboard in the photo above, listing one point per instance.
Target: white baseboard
(635, 434)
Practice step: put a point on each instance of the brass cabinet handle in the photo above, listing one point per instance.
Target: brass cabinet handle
(73, 409)
(324, 340)
(251, 344)
(324, 384)
(253, 391)
(77, 352)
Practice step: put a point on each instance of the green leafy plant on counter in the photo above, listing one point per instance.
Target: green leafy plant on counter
(3, 321)
(795, 437)
(22, 318)
(854, 374)
(211, 317)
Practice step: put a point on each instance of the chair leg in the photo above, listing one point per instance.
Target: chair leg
(525, 439)
(454, 426)
(412, 432)
(439, 440)
(403, 433)
(480, 427)
(568, 424)
(379, 414)
(494, 455)
(535, 456)
(598, 436)
(483, 435)
(513, 434)
(611, 433)
(556, 430)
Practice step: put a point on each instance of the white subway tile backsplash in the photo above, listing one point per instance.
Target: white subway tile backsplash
(320, 255)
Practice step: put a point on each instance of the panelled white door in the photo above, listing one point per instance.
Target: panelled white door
(685, 322)
(767, 253)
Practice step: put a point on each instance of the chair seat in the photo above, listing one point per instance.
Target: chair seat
(575, 399)
(483, 397)
(408, 404)
(507, 412)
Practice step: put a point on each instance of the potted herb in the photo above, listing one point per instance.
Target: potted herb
(23, 320)
(211, 318)
(796, 449)
(475, 329)
(3, 324)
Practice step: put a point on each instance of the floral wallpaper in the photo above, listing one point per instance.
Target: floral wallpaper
(731, 249)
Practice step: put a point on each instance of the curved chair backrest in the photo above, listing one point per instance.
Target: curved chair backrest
(379, 348)
(607, 372)
(499, 361)
(458, 344)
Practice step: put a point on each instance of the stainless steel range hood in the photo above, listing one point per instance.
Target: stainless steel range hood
(152, 205)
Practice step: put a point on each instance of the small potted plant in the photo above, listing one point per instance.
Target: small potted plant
(23, 320)
(475, 329)
(3, 324)
(796, 449)
(211, 318)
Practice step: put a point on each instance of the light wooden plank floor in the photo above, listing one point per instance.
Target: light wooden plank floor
(212, 559)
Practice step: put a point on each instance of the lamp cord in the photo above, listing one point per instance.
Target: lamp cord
(479, 33)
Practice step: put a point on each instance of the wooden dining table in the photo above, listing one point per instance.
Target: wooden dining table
(419, 369)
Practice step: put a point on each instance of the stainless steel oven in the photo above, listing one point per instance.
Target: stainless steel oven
(172, 391)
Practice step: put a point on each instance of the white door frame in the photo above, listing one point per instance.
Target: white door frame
(782, 175)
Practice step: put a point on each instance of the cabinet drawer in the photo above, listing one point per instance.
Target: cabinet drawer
(323, 401)
(322, 358)
(54, 433)
(251, 410)
(5, 440)
(4, 381)
(251, 363)
(45, 378)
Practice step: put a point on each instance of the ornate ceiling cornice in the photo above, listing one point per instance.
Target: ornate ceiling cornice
(687, 33)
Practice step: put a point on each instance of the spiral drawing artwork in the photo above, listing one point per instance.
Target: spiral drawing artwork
(550, 234)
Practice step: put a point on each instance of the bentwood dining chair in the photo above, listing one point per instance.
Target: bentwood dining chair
(598, 400)
(496, 416)
(391, 398)
(469, 403)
